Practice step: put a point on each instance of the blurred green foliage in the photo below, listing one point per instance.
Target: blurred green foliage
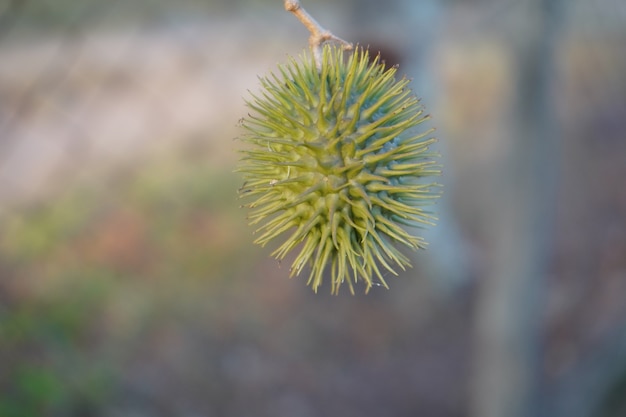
(86, 273)
(46, 367)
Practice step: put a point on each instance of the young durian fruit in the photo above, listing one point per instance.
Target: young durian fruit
(335, 169)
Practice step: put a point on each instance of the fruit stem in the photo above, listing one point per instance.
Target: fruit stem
(319, 35)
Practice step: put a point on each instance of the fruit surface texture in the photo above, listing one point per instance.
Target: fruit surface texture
(336, 168)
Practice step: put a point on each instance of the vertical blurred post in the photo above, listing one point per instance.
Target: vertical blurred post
(507, 379)
(446, 260)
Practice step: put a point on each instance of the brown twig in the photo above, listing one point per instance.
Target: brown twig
(319, 35)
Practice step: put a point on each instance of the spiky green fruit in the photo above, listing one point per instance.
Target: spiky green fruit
(335, 168)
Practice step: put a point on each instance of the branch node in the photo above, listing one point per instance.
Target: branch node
(319, 35)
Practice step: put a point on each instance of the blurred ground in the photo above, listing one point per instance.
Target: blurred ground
(129, 285)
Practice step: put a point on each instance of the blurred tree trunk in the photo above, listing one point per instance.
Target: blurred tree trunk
(507, 361)
(446, 260)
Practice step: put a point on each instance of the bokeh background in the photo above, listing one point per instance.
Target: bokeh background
(129, 285)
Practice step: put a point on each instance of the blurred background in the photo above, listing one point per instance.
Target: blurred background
(129, 285)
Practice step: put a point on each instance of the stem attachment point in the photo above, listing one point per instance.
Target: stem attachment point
(319, 35)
